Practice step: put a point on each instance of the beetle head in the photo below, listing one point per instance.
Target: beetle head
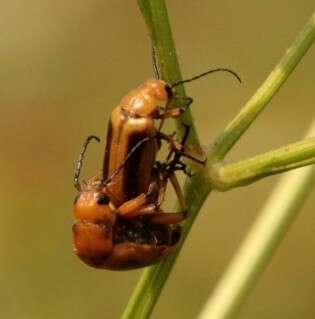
(92, 206)
(93, 232)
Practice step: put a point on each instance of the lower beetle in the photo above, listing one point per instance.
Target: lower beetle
(135, 234)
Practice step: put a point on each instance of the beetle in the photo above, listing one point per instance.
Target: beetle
(132, 121)
(120, 224)
(135, 234)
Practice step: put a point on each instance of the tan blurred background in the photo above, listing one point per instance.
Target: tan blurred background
(64, 66)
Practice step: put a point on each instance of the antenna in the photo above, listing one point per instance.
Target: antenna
(156, 68)
(77, 172)
(206, 73)
(123, 163)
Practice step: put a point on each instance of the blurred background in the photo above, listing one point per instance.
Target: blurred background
(64, 67)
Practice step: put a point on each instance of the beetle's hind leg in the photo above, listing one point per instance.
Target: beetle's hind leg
(171, 218)
(167, 218)
(178, 191)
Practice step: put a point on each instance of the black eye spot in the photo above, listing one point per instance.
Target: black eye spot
(168, 90)
(103, 200)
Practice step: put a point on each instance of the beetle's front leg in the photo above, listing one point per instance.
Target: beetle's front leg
(170, 111)
(179, 147)
(174, 112)
(138, 206)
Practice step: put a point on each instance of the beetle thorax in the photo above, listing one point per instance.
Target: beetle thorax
(146, 99)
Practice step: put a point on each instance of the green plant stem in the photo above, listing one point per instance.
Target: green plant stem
(224, 177)
(261, 242)
(153, 278)
(156, 18)
(264, 94)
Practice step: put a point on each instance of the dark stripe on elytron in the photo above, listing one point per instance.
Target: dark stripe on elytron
(109, 145)
(107, 150)
(132, 169)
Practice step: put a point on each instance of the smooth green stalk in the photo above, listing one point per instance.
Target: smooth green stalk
(261, 242)
(156, 17)
(197, 189)
(153, 278)
(224, 177)
(264, 94)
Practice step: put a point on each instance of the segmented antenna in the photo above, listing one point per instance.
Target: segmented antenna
(77, 172)
(206, 73)
(156, 68)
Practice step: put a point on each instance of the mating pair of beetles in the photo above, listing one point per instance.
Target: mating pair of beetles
(120, 224)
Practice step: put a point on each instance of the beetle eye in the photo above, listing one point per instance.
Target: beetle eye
(168, 90)
(103, 200)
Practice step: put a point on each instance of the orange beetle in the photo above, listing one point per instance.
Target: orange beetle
(105, 238)
(120, 224)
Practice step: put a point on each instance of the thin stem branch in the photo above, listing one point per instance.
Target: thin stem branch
(224, 177)
(156, 17)
(264, 94)
(261, 242)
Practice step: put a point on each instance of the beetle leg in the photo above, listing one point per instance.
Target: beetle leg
(112, 198)
(171, 111)
(190, 156)
(178, 191)
(188, 100)
(170, 218)
(131, 208)
(193, 158)
(180, 166)
(174, 112)
(148, 209)
(161, 182)
(167, 218)
(179, 147)
(134, 206)
(171, 140)
(168, 111)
